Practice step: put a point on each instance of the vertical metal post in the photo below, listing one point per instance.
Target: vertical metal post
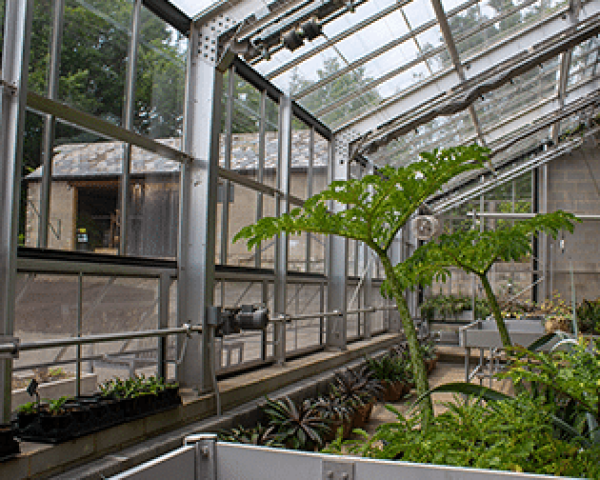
(50, 122)
(78, 333)
(367, 268)
(164, 287)
(321, 309)
(196, 252)
(309, 191)
(128, 112)
(263, 334)
(261, 169)
(337, 258)
(282, 206)
(15, 59)
(226, 196)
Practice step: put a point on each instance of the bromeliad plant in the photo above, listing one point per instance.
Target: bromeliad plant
(476, 252)
(372, 210)
(298, 426)
(259, 435)
(356, 387)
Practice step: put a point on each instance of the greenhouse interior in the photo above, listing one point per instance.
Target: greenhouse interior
(329, 239)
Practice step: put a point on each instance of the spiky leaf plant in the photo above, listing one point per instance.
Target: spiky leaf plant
(297, 426)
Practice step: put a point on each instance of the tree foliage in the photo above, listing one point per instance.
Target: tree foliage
(376, 208)
(475, 252)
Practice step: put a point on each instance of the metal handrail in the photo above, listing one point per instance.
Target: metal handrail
(104, 338)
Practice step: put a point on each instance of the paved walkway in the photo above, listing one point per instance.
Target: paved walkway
(444, 373)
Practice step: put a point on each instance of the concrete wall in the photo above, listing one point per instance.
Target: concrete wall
(573, 186)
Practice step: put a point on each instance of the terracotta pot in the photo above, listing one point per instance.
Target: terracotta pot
(393, 391)
(362, 415)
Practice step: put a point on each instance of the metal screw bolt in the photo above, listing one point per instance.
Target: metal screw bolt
(329, 474)
(205, 451)
(344, 476)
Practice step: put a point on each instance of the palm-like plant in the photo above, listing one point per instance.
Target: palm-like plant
(298, 426)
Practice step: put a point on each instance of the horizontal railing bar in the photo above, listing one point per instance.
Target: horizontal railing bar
(86, 340)
(30, 265)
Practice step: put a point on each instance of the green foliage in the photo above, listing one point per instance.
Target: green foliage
(134, 387)
(27, 408)
(567, 376)
(447, 307)
(298, 426)
(388, 367)
(475, 251)
(514, 434)
(56, 407)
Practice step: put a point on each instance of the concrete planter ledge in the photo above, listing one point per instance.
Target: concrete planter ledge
(43, 461)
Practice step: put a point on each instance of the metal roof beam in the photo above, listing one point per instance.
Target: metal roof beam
(487, 71)
(451, 46)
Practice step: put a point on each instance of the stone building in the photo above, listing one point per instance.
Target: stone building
(85, 195)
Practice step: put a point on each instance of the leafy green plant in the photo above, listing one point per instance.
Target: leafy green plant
(372, 210)
(514, 434)
(298, 426)
(476, 252)
(28, 408)
(56, 407)
(388, 368)
(258, 435)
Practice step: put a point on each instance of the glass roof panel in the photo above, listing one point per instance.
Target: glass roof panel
(584, 61)
(514, 98)
(439, 133)
(490, 21)
(193, 7)
(419, 12)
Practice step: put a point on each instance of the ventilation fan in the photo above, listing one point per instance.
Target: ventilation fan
(425, 227)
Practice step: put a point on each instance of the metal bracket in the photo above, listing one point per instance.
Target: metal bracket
(206, 454)
(337, 470)
(209, 48)
(342, 142)
(14, 353)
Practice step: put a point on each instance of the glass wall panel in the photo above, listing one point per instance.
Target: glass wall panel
(31, 184)
(303, 299)
(245, 147)
(94, 56)
(153, 218)
(39, 53)
(160, 79)
(271, 142)
(242, 212)
(84, 195)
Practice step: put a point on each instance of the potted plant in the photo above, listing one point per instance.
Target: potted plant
(337, 412)
(298, 426)
(359, 389)
(390, 370)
